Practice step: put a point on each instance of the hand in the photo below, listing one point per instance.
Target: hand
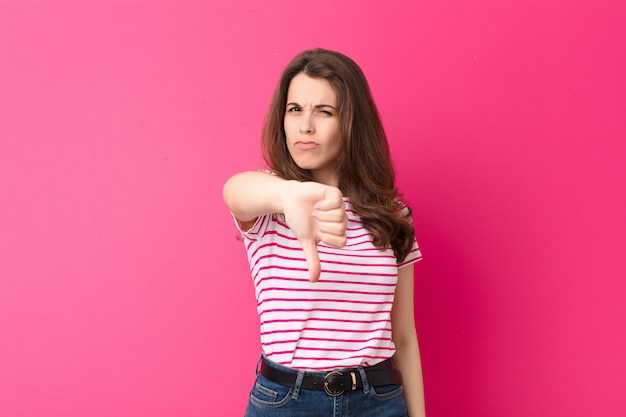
(315, 212)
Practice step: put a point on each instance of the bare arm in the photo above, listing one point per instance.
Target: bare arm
(252, 194)
(314, 212)
(407, 355)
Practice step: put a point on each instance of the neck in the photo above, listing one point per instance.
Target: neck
(327, 178)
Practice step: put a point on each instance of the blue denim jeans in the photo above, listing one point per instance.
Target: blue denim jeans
(269, 399)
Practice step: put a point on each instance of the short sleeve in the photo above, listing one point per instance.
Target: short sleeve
(415, 255)
(256, 231)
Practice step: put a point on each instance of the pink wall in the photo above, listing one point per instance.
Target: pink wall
(123, 289)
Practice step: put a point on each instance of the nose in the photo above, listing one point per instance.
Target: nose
(306, 124)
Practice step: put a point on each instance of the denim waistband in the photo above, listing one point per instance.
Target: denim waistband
(334, 382)
(387, 364)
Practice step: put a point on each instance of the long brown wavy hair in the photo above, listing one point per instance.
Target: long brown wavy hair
(364, 167)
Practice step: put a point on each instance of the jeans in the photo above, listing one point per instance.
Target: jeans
(269, 399)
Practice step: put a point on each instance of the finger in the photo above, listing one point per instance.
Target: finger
(337, 241)
(329, 204)
(333, 215)
(333, 199)
(333, 228)
(312, 258)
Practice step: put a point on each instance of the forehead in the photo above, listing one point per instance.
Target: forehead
(307, 90)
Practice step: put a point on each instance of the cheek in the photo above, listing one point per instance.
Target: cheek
(288, 126)
(334, 134)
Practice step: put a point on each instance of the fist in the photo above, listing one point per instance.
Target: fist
(315, 212)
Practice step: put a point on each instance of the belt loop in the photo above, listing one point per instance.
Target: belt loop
(257, 369)
(366, 385)
(298, 385)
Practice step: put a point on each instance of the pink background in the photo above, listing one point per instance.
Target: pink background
(123, 288)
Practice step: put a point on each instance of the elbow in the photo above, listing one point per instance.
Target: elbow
(405, 339)
(229, 192)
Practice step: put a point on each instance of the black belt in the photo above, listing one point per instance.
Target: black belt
(336, 382)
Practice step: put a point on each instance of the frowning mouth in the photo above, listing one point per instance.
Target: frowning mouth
(305, 145)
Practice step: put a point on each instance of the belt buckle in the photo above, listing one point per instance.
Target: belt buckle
(326, 387)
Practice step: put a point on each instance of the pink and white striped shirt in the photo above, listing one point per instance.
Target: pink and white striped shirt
(341, 321)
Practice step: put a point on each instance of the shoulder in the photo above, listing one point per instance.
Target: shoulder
(403, 208)
(268, 171)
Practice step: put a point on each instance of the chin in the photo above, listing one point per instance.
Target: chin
(307, 166)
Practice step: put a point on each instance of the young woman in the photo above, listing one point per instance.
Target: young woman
(331, 252)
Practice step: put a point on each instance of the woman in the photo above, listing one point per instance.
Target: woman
(331, 252)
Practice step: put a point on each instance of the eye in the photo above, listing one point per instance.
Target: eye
(324, 111)
(293, 109)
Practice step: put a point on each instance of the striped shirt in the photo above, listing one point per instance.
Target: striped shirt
(341, 321)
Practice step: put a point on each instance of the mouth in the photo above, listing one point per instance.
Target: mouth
(305, 145)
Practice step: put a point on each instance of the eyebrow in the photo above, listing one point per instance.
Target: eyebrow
(317, 106)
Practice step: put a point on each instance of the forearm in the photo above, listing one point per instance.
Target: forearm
(407, 355)
(252, 194)
(408, 361)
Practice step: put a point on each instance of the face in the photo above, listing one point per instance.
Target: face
(312, 127)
